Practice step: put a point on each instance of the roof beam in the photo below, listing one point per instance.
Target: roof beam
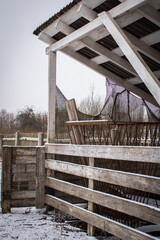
(133, 56)
(150, 13)
(76, 35)
(143, 47)
(104, 72)
(136, 80)
(152, 38)
(106, 54)
(80, 33)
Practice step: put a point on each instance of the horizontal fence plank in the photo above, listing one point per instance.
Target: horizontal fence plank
(23, 194)
(126, 206)
(127, 153)
(106, 224)
(23, 202)
(88, 122)
(125, 179)
(25, 159)
(23, 177)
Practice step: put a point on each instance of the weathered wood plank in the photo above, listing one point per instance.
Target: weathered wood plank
(125, 179)
(23, 202)
(6, 179)
(18, 168)
(25, 177)
(23, 194)
(124, 153)
(129, 207)
(27, 151)
(25, 159)
(132, 54)
(30, 168)
(108, 225)
(90, 228)
(40, 177)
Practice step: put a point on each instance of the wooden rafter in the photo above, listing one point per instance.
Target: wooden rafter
(133, 56)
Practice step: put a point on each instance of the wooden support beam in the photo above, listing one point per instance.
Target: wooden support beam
(106, 73)
(150, 13)
(133, 56)
(86, 29)
(6, 179)
(40, 177)
(51, 97)
(86, 12)
(136, 80)
(107, 54)
(151, 38)
(76, 35)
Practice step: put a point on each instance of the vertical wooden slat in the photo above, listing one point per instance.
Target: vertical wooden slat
(90, 228)
(6, 180)
(40, 139)
(40, 177)
(1, 143)
(17, 142)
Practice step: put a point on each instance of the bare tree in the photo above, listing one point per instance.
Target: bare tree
(91, 105)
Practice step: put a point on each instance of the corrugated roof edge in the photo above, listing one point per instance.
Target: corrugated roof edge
(53, 18)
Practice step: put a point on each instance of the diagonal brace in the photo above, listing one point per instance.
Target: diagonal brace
(132, 55)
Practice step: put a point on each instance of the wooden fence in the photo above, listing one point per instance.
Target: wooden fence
(140, 182)
(26, 139)
(20, 176)
(27, 171)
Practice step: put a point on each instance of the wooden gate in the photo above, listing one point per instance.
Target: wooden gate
(140, 182)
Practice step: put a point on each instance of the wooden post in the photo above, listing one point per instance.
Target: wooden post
(1, 139)
(51, 97)
(72, 115)
(40, 177)
(6, 180)
(17, 142)
(90, 228)
(40, 139)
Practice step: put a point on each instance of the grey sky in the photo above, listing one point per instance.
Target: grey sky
(24, 65)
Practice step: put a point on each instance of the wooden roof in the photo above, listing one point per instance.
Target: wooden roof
(98, 34)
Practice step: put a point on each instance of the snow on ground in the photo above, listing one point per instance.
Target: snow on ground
(36, 225)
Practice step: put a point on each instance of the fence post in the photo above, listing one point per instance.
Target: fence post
(17, 142)
(6, 180)
(1, 143)
(40, 177)
(90, 228)
(40, 139)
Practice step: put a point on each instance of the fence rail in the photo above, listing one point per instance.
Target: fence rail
(121, 133)
(26, 139)
(133, 208)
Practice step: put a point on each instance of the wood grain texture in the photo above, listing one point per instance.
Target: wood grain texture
(124, 153)
(108, 225)
(136, 209)
(130, 180)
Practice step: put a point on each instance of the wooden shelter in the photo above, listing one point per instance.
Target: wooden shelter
(119, 39)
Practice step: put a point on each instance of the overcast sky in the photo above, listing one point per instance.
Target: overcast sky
(24, 65)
